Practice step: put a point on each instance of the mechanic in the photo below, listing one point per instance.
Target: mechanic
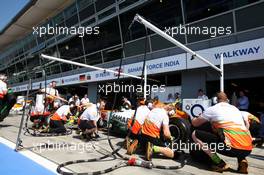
(229, 130)
(3, 87)
(52, 96)
(254, 125)
(249, 119)
(38, 114)
(141, 114)
(126, 104)
(179, 112)
(60, 117)
(75, 99)
(151, 131)
(7, 98)
(85, 100)
(88, 119)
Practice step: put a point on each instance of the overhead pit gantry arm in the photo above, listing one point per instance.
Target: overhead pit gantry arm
(155, 29)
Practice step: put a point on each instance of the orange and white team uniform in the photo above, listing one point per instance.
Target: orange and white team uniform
(156, 118)
(61, 113)
(228, 118)
(141, 114)
(3, 89)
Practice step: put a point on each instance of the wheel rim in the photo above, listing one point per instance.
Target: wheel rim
(175, 132)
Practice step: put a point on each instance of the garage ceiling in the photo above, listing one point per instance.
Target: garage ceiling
(33, 14)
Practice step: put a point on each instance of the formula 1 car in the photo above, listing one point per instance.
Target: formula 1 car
(180, 127)
(18, 107)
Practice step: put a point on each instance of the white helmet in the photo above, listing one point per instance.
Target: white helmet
(214, 100)
(3, 77)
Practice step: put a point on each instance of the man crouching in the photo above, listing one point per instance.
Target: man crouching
(88, 120)
(156, 122)
(229, 130)
(60, 117)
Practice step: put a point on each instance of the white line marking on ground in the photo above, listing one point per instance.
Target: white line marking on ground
(33, 156)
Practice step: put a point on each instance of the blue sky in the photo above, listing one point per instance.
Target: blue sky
(9, 9)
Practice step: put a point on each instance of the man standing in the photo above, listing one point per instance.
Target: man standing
(52, 95)
(76, 100)
(201, 95)
(229, 131)
(242, 101)
(170, 98)
(177, 98)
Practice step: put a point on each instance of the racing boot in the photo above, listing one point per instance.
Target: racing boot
(82, 136)
(45, 129)
(242, 166)
(259, 142)
(97, 136)
(127, 143)
(220, 167)
(133, 147)
(78, 131)
(94, 136)
(149, 151)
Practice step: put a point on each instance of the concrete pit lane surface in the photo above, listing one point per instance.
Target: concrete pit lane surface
(51, 151)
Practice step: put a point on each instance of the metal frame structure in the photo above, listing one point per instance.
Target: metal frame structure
(102, 69)
(155, 29)
(87, 66)
(19, 140)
